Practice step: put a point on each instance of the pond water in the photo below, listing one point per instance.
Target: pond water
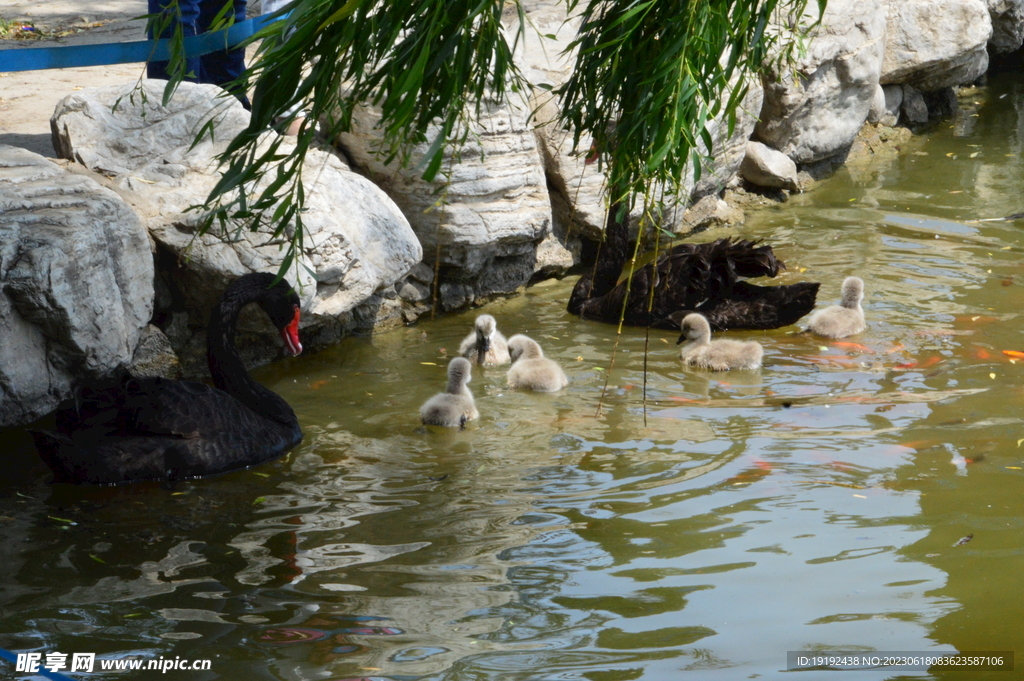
(822, 503)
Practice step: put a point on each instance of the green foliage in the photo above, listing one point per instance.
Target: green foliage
(426, 65)
(167, 23)
(649, 75)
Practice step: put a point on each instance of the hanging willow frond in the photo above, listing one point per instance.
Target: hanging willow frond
(649, 76)
(426, 65)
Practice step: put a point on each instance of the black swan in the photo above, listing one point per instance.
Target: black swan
(132, 429)
(702, 278)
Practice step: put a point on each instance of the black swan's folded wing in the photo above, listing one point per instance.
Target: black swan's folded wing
(137, 429)
(761, 307)
(705, 278)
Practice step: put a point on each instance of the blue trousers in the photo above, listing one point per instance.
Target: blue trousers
(218, 68)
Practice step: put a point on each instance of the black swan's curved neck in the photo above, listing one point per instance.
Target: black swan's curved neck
(614, 250)
(226, 366)
(611, 258)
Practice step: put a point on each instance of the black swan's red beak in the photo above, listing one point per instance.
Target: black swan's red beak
(290, 334)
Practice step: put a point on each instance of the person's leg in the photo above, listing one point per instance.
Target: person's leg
(223, 66)
(189, 15)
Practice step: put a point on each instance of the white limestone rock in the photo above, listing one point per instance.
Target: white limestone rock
(817, 113)
(1007, 25)
(892, 96)
(556, 256)
(728, 151)
(766, 167)
(933, 44)
(76, 283)
(877, 110)
(357, 241)
(545, 62)
(546, 65)
(495, 210)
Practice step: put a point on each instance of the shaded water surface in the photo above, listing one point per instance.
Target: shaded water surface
(814, 505)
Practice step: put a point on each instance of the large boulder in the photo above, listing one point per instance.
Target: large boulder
(356, 240)
(934, 44)
(1007, 25)
(76, 283)
(766, 167)
(814, 108)
(546, 62)
(485, 214)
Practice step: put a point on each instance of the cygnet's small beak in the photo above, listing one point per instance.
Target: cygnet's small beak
(483, 345)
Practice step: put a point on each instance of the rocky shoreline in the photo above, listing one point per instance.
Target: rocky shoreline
(101, 267)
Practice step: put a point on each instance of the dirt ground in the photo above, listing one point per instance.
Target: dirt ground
(28, 98)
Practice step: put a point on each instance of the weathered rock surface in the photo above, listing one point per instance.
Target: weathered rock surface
(885, 107)
(558, 252)
(1007, 25)
(495, 209)
(766, 167)
(581, 186)
(357, 241)
(709, 212)
(544, 62)
(154, 355)
(817, 114)
(873, 143)
(76, 283)
(877, 110)
(932, 44)
(913, 106)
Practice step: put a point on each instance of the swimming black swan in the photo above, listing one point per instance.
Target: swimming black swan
(702, 278)
(131, 429)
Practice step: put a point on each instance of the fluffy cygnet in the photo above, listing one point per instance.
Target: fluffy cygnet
(844, 319)
(485, 345)
(719, 355)
(455, 406)
(530, 369)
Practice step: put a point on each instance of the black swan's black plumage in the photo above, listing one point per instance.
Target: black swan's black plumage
(130, 429)
(702, 278)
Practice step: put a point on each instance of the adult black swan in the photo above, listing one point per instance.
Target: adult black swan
(702, 278)
(132, 429)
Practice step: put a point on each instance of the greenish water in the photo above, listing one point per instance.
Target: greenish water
(814, 505)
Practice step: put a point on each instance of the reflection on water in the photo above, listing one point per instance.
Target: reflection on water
(817, 504)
